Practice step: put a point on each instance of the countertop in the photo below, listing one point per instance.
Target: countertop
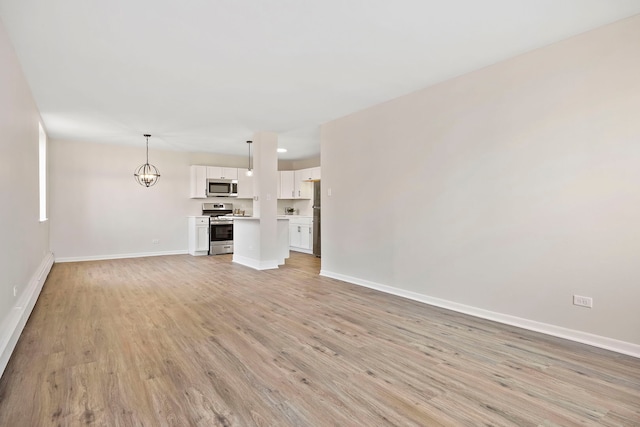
(234, 217)
(253, 217)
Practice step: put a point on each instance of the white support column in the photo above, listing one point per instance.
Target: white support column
(265, 164)
(262, 242)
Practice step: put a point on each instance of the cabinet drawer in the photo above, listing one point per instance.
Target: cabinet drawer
(202, 221)
(305, 220)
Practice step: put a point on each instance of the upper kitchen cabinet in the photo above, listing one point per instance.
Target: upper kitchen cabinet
(245, 184)
(200, 174)
(303, 188)
(287, 186)
(303, 185)
(198, 182)
(218, 172)
(310, 174)
(297, 184)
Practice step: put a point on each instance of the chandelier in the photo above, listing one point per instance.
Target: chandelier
(147, 174)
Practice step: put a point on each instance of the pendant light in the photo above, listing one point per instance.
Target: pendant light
(250, 170)
(147, 174)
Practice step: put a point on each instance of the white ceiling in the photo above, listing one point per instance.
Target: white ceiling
(204, 75)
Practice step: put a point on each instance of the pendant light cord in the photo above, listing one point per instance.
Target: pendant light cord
(147, 136)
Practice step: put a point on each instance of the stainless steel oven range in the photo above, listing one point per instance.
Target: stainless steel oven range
(220, 230)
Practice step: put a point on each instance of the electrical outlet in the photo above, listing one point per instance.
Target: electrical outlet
(583, 301)
(155, 241)
(15, 291)
(329, 191)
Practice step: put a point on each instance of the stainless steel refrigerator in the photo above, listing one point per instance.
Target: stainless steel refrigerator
(316, 218)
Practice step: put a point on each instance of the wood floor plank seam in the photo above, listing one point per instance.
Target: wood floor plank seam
(199, 341)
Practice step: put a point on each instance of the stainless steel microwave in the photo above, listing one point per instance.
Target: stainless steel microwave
(222, 188)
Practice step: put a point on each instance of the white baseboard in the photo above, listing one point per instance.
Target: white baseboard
(304, 251)
(15, 321)
(257, 264)
(119, 256)
(623, 347)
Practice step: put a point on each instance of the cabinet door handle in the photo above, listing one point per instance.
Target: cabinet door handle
(298, 229)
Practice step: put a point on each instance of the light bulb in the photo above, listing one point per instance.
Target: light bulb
(249, 172)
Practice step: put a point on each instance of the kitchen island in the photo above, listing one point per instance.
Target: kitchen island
(257, 248)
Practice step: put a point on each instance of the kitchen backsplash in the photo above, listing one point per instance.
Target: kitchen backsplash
(302, 207)
(242, 204)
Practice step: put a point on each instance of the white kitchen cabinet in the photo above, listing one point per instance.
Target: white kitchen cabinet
(315, 173)
(198, 235)
(287, 186)
(309, 174)
(200, 174)
(219, 172)
(300, 234)
(245, 184)
(303, 188)
(198, 182)
(297, 184)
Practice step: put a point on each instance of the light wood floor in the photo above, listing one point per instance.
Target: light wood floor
(181, 341)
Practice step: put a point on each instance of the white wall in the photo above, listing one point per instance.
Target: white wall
(504, 191)
(24, 240)
(99, 211)
(291, 165)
